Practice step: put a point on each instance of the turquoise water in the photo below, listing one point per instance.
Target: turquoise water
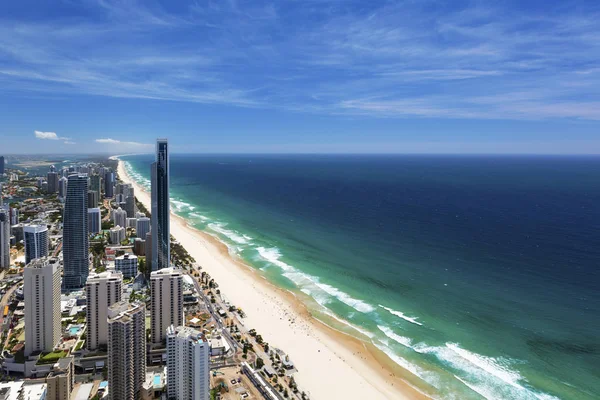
(479, 275)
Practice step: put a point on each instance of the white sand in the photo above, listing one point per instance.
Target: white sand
(328, 367)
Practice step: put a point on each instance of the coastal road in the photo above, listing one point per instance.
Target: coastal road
(5, 300)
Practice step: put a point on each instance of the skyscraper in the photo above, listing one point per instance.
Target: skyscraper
(130, 206)
(142, 226)
(52, 179)
(94, 220)
(4, 239)
(126, 350)
(93, 198)
(167, 302)
(160, 207)
(41, 288)
(119, 217)
(1, 165)
(188, 370)
(102, 291)
(36, 242)
(62, 187)
(75, 233)
(109, 184)
(96, 184)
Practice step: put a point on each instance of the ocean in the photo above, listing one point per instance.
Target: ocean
(477, 274)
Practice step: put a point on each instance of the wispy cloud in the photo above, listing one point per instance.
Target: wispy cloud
(52, 136)
(122, 143)
(379, 59)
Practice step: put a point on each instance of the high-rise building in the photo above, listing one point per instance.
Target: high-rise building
(131, 222)
(109, 184)
(41, 288)
(142, 227)
(126, 350)
(140, 215)
(167, 302)
(117, 235)
(4, 239)
(139, 247)
(61, 379)
(160, 207)
(102, 291)
(62, 187)
(130, 205)
(75, 233)
(14, 216)
(93, 198)
(119, 217)
(148, 250)
(36, 242)
(127, 264)
(188, 369)
(52, 179)
(96, 184)
(94, 220)
(1, 165)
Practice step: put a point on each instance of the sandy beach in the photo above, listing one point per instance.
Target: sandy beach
(331, 365)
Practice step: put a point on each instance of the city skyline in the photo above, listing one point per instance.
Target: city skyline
(326, 77)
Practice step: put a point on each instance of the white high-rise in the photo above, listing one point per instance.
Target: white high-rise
(94, 220)
(4, 239)
(41, 288)
(120, 217)
(188, 369)
(126, 350)
(167, 302)
(102, 291)
(36, 242)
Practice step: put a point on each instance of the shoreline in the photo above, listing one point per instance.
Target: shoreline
(321, 353)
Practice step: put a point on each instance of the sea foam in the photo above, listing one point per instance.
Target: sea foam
(404, 341)
(236, 237)
(401, 315)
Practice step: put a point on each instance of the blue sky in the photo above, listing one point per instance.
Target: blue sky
(300, 76)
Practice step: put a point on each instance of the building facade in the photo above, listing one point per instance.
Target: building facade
(120, 217)
(4, 239)
(102, 291)
(167, 302)
(117, 235)
(75, 233)
(93, 198)
(41, 288)
(52, 179)
(127, 264)
(161, 255)
(94, 220)
(62, 187)
(126, 350)
(109, 184)
(142, 227)
(36, 242)
(188, 369)
(61, 379)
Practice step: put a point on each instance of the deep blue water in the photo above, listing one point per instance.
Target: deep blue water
(478, 274)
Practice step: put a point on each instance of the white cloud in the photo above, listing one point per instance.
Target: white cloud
(46, 135)
(119, 142)
(69, 142)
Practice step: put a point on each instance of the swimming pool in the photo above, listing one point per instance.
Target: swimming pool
(156, 381)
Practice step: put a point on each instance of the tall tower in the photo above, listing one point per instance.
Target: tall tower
(4, 239)
(75, 233)
(167, 302)
(52, 179)
(36, 242)
(126, 350)
(102, 291)
(41, 288)
(109, 184)
(160, 207)
(188, 356)
(1, 165)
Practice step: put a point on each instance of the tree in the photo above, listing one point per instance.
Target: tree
(259, 363)
(142, 265)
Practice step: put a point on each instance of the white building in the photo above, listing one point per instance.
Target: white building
(188, 356)
(126, 350)
(102, 291)
(119, 217)
(167, 302)
(117, 235)
(142, 227)
(127, 264)
(36, 242)
(94, 220)
(62, 187)
(131, 222)
(42, 305)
